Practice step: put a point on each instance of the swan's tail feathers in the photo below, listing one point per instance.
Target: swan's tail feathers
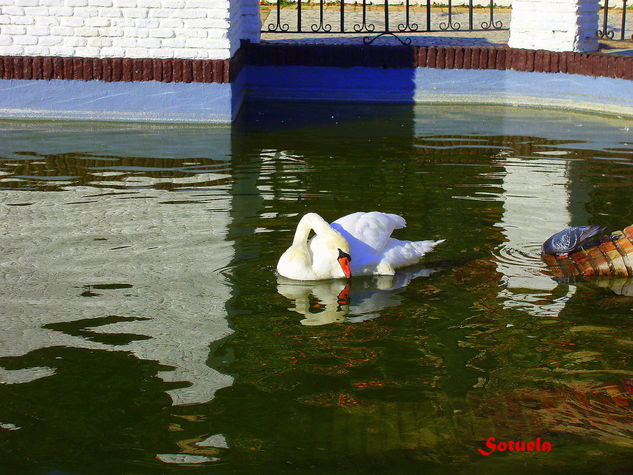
(426, 246)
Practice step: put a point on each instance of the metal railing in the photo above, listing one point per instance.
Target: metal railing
(386, 19)
(611, 15)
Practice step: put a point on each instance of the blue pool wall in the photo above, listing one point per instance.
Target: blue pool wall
(148, 101)
(427, 85)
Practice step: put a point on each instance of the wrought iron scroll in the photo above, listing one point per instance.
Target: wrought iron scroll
(322, 26)
(492, 24)
(450, 25)
(407, 25)
(605, 32)
(364, 26)
(278, 26)
(387, 31)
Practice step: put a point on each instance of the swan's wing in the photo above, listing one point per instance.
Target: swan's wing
(400, 254)
(373, 229)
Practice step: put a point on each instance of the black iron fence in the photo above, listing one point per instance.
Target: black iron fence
(615, 23)
(335, 17)
(413, 16)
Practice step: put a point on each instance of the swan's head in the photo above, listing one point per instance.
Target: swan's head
(339, 254)
(331, 259)
(344, 260)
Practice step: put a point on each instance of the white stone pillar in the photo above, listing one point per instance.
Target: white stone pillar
(245, 23)
(554, 25)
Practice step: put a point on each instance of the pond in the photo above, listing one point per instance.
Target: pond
(143, 327)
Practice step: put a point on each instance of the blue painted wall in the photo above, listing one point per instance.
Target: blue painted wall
(149, 101)
(428, 85)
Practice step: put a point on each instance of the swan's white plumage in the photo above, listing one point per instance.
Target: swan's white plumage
(373, 229)
(366, 237)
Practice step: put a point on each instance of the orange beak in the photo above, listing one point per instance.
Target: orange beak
(344, 260)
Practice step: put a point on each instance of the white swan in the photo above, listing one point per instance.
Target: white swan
(356, 244)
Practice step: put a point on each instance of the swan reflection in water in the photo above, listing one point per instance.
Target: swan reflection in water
(353, 301)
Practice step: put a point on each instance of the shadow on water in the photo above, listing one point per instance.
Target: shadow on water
(144, 328)
(338, 120)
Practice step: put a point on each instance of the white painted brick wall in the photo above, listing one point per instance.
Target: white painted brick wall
(245, 22)
(554, 25)
(187, 29)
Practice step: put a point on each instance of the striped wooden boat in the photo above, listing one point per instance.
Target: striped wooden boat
(608, 256)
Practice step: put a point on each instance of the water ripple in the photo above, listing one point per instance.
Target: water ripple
(522, 254)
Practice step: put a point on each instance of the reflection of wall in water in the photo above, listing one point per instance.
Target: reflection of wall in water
(120, 255)
(535, 202)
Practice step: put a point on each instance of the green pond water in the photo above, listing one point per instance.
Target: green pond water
(143, 328)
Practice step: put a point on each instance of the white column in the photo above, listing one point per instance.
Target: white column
(245, 23)
(554, 25)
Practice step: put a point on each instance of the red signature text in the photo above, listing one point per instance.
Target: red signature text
(513, 446)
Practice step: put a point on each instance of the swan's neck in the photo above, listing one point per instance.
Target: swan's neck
(317, 258)
(309, 222)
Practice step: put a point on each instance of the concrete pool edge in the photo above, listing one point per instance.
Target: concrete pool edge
(588, 82)
(118, 101)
